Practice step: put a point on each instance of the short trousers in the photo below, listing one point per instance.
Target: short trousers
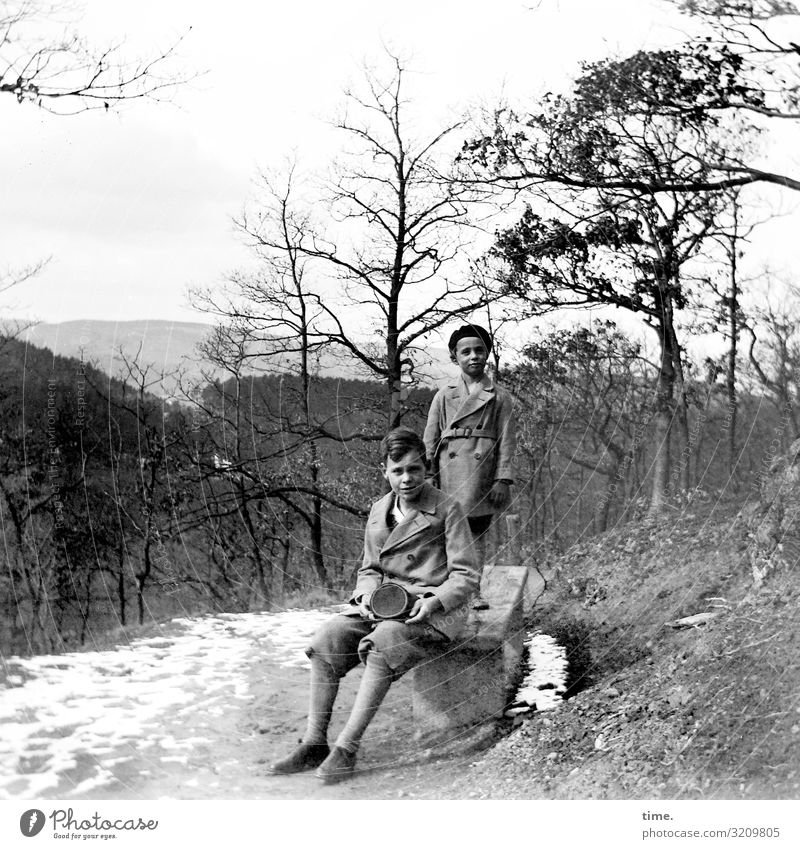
(344, 641)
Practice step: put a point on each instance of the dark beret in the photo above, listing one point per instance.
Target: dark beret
(467, 330)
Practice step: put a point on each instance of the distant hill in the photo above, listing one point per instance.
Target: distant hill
(171, 347)
(166, 345)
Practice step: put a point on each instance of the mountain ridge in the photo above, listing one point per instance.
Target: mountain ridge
(172, 348)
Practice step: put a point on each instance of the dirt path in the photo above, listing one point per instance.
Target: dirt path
(235, 764)
(227, 759)
(196, 713)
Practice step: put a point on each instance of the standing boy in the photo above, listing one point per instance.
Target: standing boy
(417, 537)
(469, 437)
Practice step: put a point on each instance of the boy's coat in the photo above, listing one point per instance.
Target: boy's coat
(431, 550)
(470, 442)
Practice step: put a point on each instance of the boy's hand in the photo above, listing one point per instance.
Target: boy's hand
(422, 609)
(499, 494)
(363, 606)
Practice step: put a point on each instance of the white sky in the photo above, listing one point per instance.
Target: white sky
(135, 208)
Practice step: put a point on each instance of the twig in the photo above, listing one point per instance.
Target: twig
(751, 645)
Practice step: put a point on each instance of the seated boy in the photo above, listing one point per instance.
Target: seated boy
(418, 538)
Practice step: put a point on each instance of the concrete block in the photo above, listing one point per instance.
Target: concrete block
(471, 682)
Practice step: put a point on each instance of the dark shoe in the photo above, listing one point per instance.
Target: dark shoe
(338, 766)
(305, 756)
(480, 604)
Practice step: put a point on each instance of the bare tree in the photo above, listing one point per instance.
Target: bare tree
(727, 314)
(775, 361)
(590, 388)
(382, 253)
(139, 485)
(9, 279)
(42, 62)
(272, 314)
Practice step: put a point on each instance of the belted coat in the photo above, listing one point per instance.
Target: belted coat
(470, 442)
(429, 552)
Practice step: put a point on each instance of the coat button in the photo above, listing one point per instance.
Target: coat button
(409, 556)
(452, 455)
(478, 455)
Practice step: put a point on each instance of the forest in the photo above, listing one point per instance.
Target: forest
(120, 507)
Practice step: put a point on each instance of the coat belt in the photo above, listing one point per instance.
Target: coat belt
(466, 432)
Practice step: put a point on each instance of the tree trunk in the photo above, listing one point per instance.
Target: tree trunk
(687, 450)
(316, 543)
(733, 403)
(121, 580)
(612, 485)
(733, 330)
(141, 578)
(263, 571)
(286, 552)
(316, 525)
(551, 501)
(532, 486)
(86, 610)
(683, 476)
(316, 501)
(395, 385)
(662, 418)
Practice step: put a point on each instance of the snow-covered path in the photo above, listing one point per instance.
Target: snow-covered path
(188, 713)
(74, 723)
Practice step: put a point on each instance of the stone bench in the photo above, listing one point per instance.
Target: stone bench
(471, 683)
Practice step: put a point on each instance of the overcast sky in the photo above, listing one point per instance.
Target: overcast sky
(135, 208)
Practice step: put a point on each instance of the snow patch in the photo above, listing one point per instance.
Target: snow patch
(545, 682)
(58, 711)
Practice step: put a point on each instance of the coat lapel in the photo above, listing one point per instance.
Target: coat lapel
(377, 527)
(468, 404)
(414, 522)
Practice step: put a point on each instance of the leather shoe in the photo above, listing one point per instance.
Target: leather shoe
(305, 756)
(338, 766)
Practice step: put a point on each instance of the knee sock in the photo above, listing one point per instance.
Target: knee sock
(480, 533)
(374, 686)
(324, 687)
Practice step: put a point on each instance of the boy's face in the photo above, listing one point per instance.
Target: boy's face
(471, 355)
(406, 476)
